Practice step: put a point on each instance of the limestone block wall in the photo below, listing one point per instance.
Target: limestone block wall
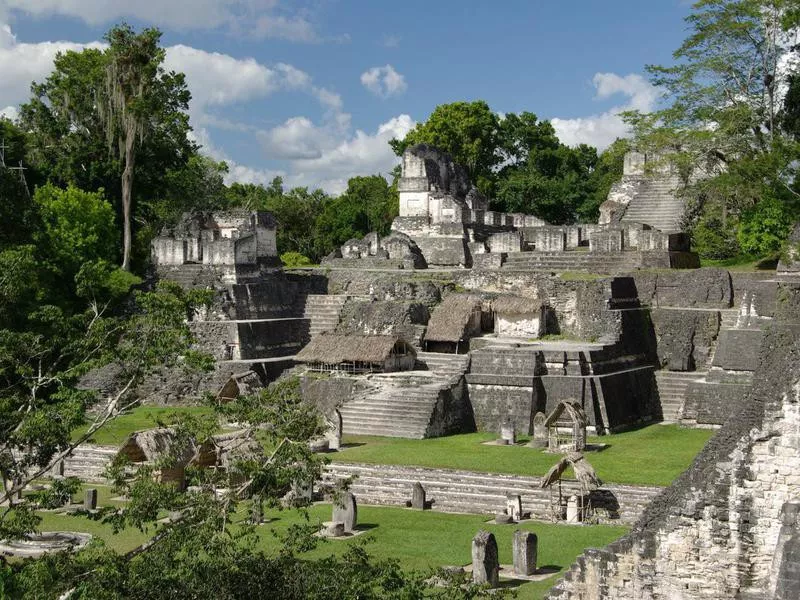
(714, 532)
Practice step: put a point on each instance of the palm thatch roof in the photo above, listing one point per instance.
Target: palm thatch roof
(584, 471)
(226, 449)
(516, 305)
(333, 349)
(574, 412)
(161, 443)
(450, 320)
(239, 384)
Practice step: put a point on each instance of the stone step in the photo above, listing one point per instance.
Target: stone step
(469, 492)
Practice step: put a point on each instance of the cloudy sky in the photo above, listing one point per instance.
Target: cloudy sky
(313, 91)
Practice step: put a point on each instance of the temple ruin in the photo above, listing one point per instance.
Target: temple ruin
(464, 319)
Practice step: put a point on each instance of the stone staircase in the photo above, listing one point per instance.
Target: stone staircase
(323, 311)
(393, 406)
(672, 392)
(449, 365)
(88, 462)
(656, 205)
(471, 492)
(189, 275)
(572, 261)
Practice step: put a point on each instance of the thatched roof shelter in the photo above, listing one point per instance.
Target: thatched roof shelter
(153, 445)
(516, 305)
(584, 471)
(566, 427)
(454, 319)
(239, 384)
(226, 449)
(332, 349)
(574, 415)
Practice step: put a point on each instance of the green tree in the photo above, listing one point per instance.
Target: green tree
(368, 204)
(726, 117)
(76, 227)
(17, 217)
(468, 131)
(136, 88)
(101, 112)
(517, 160)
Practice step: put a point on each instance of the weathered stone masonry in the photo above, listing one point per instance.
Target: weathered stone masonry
(715, 532)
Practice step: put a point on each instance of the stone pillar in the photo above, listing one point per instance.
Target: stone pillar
(418, 496)
(526, 548)
(539, 439)
(90, 499)
(508, 433)
(346, 511)
(514, 506)
(334, 432)
(256, 510)
(573, 510)
(788, 585)
(573, 233)
(550, 239)
(485, 561)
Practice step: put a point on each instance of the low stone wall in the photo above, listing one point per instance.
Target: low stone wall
(483, 493)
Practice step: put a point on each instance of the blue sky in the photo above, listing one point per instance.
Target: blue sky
(313, 90)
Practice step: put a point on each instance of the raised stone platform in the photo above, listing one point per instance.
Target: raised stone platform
(482, 493)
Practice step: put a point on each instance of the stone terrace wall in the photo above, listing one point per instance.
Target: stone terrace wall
(714, 532)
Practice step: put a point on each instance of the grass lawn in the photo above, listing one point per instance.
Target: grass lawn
(742, 263)
(417, 540)
(652, 455)
(141, 417)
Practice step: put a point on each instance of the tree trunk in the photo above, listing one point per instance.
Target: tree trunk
(127, 189)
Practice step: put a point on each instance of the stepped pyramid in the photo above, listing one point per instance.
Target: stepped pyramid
(640, 197)
(656, 204)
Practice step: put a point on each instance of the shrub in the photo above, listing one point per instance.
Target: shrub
(714, 240)
(765, 227)
(295, 259)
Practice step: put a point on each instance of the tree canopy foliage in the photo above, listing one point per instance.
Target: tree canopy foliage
(729, 124)
(518, 161)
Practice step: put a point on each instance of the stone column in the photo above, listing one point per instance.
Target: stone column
(418, 496)
(485, 561)
(526, 548)
(573, 510)
(346, 511)
(514, 506)
(90, 499)
(508, 434)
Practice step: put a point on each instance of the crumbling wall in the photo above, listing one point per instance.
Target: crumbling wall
(713, 533)
(685, 339)
(383, 317)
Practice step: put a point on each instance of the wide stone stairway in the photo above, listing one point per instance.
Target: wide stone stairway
(403, 404)
(398, 405)
(323, 311)
(575, 260)
(448, 365)
(672, 387)
(656, 204)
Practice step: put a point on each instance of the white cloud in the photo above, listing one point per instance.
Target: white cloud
(360, 153)
(297, 138)
(294, 29)
(20, 64)
(601, 129)
(384, 81)
(218, 80)
(259, 18)
(9, 112)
